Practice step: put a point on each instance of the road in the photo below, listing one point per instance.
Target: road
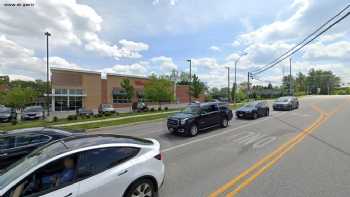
(305, 152)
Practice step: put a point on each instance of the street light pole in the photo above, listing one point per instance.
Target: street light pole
(290, 76)
(47, 34)
(235, 84)
(189, 88)
(228, 84)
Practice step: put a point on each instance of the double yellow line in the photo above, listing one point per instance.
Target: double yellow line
(244, 179)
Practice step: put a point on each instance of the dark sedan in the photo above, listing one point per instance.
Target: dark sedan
(18, 143)
(253, 110)
(7, 114)
(32, 113)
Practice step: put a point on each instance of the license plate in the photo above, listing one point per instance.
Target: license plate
(240, 115)
(171, 129)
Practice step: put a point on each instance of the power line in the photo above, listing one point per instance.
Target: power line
(301, 44)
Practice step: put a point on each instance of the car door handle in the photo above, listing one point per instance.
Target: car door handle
(70, 194)
(123, 172)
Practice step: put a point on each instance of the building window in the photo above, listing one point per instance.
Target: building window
(61, 103)
(61, 91)
(76, 92)
(119, 96)
(75, 102)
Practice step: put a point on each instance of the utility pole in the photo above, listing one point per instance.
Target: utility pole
(228, 85)
(189, 87)
(248, 86)
(47, 34)
(290, 77)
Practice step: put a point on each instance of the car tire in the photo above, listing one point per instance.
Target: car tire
(193, 130)
(255, 115)
(145, 187)
(224, 122)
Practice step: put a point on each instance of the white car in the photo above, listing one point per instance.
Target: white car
(88, 166)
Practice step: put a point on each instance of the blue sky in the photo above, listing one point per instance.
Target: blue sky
(141, 37)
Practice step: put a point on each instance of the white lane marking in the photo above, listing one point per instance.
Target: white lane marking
(263, 142)
(218, 134)
(250, 138)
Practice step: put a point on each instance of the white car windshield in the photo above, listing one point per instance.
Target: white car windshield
(32, 160)
(283, 99)
(33, 109)
(4, 110)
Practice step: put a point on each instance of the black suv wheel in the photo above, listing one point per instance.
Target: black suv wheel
(193, 130)
(224, 122)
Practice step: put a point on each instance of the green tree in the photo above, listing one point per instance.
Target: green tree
(321, 82)
(300, 82)
(158, 89)
(19, 97)
(197, 87)
(129, 89)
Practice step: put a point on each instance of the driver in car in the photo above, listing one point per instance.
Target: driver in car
(65, 176)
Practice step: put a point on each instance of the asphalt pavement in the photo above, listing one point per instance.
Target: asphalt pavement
(305, 152)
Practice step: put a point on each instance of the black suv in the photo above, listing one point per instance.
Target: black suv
(199, 117)
(18, 143)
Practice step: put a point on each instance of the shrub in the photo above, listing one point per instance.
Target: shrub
(108, 113)
(99, 115)
(55, 119)
(14, 122)
(152, 109)
(166, 108)
(96, 115)
(159, 108)
(72, 117)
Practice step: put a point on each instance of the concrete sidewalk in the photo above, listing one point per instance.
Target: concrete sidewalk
(110, 119)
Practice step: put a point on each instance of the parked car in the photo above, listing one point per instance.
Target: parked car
(103, 108)
(18, 143)
(7, 114)
(286, 103)
(139, 107)
(253, 110)
(92, 165)
(33, 112)
(85, 112)
(199, 117)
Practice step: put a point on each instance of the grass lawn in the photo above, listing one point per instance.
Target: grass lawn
(117, 122)
(45, 123)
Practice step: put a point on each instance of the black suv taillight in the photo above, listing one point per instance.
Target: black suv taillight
(159, 156)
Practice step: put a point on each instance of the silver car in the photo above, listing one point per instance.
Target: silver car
(88, 166)
(286, 103)
(32, 113)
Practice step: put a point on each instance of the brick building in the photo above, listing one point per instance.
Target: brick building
(74, 89)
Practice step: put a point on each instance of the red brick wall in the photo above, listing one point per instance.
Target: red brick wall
(104, 91)
(182, 94)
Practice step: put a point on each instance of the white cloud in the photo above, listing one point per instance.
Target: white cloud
(338, 51)
(69, 22)
(20, 77)
(20, 62)
(139, 69)
(165, 63)
(215, 48)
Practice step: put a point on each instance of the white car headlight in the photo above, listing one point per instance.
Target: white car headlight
(183, 121)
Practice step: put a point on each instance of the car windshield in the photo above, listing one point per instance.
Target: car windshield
(253, 104)
(33, 109)
(5, 110)
(283, 99)
(27, 163)
(191, 110)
